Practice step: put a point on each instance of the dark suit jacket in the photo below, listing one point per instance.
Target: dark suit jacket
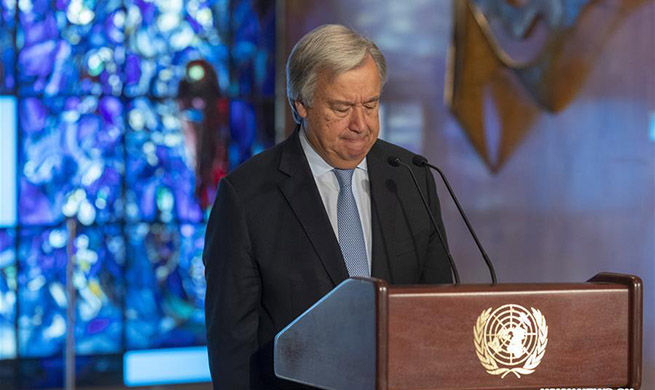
(270, 252)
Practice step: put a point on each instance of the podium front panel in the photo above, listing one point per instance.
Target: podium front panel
(508, 337)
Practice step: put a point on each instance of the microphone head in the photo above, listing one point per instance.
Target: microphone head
(394, 161)
(419, 160)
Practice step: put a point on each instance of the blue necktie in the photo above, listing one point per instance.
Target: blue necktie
(351, 236)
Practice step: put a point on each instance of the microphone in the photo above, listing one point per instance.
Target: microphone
(421, 161)
(395, 161)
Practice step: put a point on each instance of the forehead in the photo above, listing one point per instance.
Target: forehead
(360, 83)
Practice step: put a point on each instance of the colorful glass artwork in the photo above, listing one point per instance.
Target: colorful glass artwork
(163, 36)
(165, 286)
(91, 371)
(71, 160)
(251, 129)
(161, 182)
(253, 51)
(70, 47)
(7, 47)
(98, 281)
(100, 140)
(8, 290)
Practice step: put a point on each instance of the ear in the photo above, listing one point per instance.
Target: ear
(300, 108)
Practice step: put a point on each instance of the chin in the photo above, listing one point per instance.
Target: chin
(355, 156)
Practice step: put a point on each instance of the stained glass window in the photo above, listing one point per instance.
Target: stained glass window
(72, 47)
(165, 286)
(254, 42)
(160, 184)
(102, 140)
(71, 160)
(98, 281)
(7, 48)
(7, 294)
(47, 373)
(165, 35)
(251, 129)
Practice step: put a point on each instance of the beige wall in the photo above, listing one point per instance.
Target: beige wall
(576, 198)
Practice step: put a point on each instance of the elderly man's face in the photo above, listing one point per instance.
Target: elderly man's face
(342, 124)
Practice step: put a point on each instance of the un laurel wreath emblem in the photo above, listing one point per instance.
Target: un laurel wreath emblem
(510, 339)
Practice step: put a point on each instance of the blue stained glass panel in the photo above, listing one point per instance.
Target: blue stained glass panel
(222, 12)
(165, 286)
(101, 141)
(160, 182)
(243, 131)
(253, 50)
(7, 48)
(98, 280)
(165, 36)
(251, 129)
(92, 371)
(7, 294)
(71, 47)
(71, 159)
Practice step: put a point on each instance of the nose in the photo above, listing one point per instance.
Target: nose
(357, 119)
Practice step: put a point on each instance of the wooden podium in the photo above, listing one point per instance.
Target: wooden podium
(366, 334)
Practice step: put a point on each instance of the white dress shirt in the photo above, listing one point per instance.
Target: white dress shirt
(328, 187)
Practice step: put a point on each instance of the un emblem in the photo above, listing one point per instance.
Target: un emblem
(510, 339)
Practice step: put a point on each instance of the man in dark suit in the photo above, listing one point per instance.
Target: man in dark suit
(293, 222)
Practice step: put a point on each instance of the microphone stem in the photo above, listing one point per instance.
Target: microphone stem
(434, 223)
(468, 225)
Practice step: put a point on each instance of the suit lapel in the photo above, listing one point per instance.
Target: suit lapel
(304, 199)
(383, 209)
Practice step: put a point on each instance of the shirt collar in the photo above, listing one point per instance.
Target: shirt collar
(316, 163)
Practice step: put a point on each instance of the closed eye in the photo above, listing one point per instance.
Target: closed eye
(341, 109)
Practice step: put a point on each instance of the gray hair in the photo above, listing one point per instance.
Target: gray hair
(332, 48)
